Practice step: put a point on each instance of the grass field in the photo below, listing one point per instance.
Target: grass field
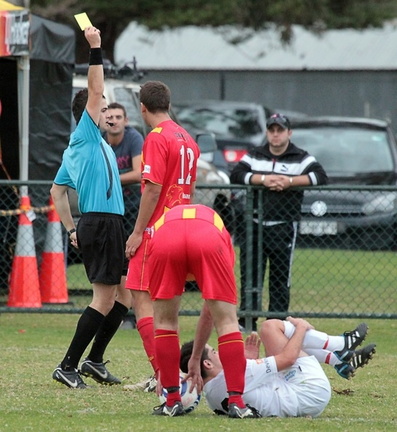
(33, 344)
(323, 282)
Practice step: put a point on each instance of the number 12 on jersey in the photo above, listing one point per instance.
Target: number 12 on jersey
(187, 158)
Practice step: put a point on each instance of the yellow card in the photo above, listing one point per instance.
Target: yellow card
(83, 21)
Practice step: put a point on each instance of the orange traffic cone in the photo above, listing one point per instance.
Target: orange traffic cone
(24, 282)
(52, 271)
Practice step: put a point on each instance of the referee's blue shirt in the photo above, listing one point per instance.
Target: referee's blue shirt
(85, 168)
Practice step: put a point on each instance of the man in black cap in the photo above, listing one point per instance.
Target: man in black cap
(279, 166)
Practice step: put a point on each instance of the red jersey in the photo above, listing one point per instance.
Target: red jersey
(169, 159)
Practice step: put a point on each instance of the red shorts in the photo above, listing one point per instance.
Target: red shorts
(196, 246)
(138, 275)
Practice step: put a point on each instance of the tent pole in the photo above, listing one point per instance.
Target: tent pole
(23, 110)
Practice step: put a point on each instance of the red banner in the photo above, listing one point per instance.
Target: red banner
(14, 33)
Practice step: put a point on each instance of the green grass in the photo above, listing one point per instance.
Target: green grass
(33, 344)
(323, 281)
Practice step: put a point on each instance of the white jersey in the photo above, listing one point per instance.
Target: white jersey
(301, 390)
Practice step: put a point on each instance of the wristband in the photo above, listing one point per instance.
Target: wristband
(263, 178)
(96, 56)
(290, 180)
(70, 232)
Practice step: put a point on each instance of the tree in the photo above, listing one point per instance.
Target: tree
(112, 17)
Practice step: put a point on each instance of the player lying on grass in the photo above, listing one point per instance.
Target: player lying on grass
(290, 381)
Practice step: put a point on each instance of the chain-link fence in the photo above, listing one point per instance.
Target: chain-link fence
(344, 263)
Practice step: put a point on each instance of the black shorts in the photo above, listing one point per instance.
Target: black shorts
(101, 239)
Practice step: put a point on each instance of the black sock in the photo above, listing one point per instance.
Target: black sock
(106, 331)
(87, 327)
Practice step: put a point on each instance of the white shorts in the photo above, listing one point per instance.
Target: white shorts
(311, 386)
(301, 390)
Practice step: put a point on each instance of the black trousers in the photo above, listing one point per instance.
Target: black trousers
(275, 249)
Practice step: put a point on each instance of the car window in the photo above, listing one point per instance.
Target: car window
(227, 122)
(347, 151)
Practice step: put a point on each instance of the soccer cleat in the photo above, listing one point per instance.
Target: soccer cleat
(345, 370)
(70, 379)
(353, 339)
(150, 385)
(174, 411)
(246, 412)
(147, 386)
(362, 356)
(98, 372)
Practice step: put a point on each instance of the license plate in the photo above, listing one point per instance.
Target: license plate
(318, 228)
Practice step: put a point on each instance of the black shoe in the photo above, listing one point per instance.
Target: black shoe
(353, 339)
(174, 411)
(98, 372)
(247, 412)
(345, 370)
(362, 356)
(70, 379)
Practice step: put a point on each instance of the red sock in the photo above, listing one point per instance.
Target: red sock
(168, 353)
(146, 330)
(327, 359)
(231, 354)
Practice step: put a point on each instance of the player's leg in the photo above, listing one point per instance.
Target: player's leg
(94, 366)
(167, 352)
(167, 268)
(348, 341)
(337, 351)
(273, 337)
(231, 354)
(87, 326)
(143, 310)
(137, 283)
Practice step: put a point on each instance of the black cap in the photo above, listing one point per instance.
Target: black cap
(278, 119)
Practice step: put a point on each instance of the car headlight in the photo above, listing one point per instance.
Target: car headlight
(381, 204)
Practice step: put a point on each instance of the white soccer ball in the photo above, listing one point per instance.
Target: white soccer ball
(189, 399)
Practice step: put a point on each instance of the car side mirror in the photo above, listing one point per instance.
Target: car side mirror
(206, 142)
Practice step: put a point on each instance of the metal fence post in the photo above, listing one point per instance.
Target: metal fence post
(248, 213)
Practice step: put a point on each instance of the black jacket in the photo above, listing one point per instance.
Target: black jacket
(286, 205)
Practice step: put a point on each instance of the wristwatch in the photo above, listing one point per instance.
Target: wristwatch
(70, 232)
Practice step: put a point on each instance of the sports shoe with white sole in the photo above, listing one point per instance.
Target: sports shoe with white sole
(98, 372)
(71, 379)
(354, 360)
(353, 339)
(147, 386)
(175, 411)
(362, 356)
(247, 412)
(150, 385)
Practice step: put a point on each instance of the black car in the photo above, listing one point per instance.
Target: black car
(360, 158)
(237, 125)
